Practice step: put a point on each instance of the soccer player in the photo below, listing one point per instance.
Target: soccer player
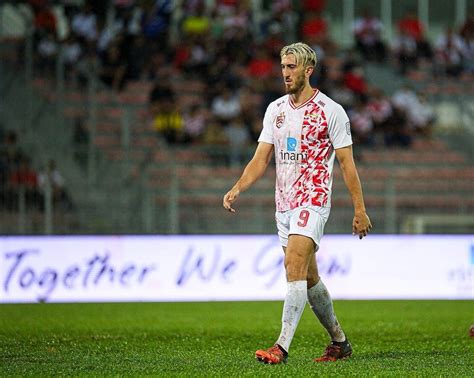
(305, 130)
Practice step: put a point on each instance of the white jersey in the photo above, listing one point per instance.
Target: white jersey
(304, 139)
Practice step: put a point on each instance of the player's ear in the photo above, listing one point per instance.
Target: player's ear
(309, 70)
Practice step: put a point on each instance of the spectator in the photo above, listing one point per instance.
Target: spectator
(449, 53)
(467, 34)
(404, 49)
(281, 26)
(44, 18)
(421, 116)
(198, 60)
(182, 52)
(226, 7)
(72, 52)
(403, 98)
(367, 33)
(195, 122)
(129, 19)
(16, 20)
(51, 179)
(167, 120)
(113, 69)
(355, 81)
(47, 53)
(412, 27)
(156, 22)
(400, 132)
(467, 29)
(361, 124)
(238, 20)
(223, 71)
(225, 106)
(196, 23)
(261, 66)
(23, 181)
(381, 110)
(342, 94)
(239, 139)
(314, 28)
(105, 36)
(84, 24)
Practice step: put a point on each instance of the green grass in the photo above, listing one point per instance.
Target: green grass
(390, 338)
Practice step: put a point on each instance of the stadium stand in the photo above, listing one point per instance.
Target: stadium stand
(104, 138)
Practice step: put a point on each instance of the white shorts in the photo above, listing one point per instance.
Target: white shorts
(307, 221)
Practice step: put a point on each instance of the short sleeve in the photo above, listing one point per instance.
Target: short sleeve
(266, 135)
(340, 128)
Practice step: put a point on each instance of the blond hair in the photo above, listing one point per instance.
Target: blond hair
(304, 54)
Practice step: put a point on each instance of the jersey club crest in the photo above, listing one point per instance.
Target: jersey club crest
(280, 119)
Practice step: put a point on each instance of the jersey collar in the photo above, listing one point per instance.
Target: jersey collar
(316, 91)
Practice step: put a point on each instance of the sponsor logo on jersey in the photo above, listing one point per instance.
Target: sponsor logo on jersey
(280, 119)
(321, 103)
(290, 155)
(291, 144)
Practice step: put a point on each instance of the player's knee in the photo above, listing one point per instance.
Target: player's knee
(296, 270)
(312, 279)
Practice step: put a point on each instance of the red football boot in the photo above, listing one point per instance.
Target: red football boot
(336, 351)
(274, 355)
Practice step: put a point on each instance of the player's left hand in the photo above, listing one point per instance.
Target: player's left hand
(229, 199)
(361, 224)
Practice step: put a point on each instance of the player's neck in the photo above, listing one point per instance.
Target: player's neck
(304, 95)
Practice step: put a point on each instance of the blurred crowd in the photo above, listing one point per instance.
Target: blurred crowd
(228, 53)
(21, 185)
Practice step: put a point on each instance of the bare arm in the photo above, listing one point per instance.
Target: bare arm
(252, 172)
(361, 223)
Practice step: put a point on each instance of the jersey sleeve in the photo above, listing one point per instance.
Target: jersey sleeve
(266, 135)
(340, 128)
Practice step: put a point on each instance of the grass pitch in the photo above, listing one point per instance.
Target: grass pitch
(390, 338)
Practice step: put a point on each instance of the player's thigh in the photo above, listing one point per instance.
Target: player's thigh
(312, 277)
(298, 255)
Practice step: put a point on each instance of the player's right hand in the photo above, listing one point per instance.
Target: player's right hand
(230, 198)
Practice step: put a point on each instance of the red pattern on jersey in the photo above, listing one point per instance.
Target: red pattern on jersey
(312, 185)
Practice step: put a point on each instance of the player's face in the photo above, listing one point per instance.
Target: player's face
(293, 74)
